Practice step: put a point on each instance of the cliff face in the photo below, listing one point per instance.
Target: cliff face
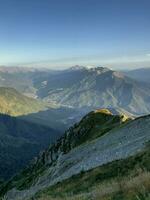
(99, 138)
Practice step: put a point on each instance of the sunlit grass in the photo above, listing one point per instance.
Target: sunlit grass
(129, 188)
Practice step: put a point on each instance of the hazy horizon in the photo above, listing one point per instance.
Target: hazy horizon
(59, 34)
(119, 68)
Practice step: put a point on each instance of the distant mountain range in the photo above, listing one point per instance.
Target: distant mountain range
(94, 88)
(100, 151)
(81, 87)
(142, 74)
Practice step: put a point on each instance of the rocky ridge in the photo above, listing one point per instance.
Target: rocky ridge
(68, 156)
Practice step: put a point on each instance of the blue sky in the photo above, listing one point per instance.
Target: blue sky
(61, 33)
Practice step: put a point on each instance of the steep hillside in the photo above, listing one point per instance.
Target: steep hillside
(20, 141)
(119, 180)
(14, 103)
(98, 139)
(94, 88)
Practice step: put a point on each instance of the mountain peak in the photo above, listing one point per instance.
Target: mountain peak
(99, 70)
(77, 67)
(103, 111)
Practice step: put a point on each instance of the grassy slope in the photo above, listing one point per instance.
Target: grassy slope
(127, 179)
(14, 103)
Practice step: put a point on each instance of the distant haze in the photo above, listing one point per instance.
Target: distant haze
(59, 34)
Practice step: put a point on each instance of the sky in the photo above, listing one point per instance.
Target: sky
(62, 33)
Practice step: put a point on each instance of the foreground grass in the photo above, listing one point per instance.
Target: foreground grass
(129, 188)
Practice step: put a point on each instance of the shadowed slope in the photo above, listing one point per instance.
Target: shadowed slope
(20, 141)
